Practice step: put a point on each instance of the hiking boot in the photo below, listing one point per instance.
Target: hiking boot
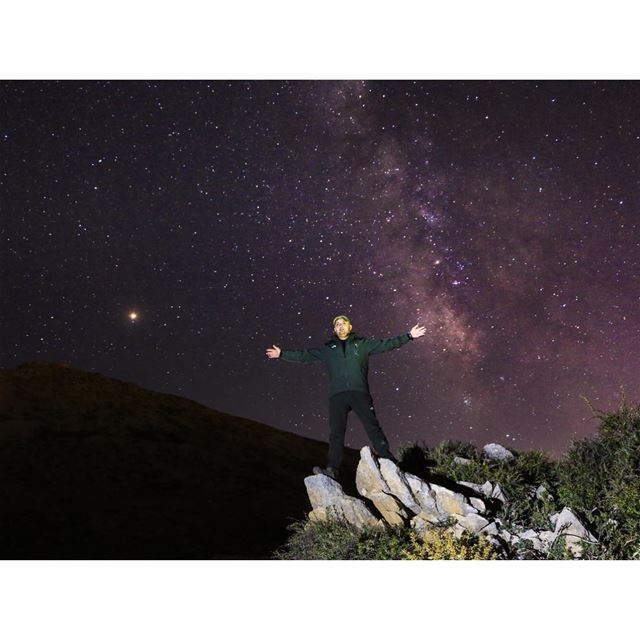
(330, 472)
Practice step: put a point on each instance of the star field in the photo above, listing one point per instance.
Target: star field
(166, 233)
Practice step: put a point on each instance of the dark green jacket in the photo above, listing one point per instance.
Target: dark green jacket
(349, 367)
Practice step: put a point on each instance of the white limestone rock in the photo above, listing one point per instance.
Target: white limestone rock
(495, 451)
(569, 525)
(498, 493)
(329, 501)
(499, 545)
(421, 524)
(471, 522)
(528, 534)
(508, 537)
(541, 493)
(398, 485)
(547, 538)
(490, 530)
(472, 485)
(487, 489)
(368, 475)
(449, 502)
(425, 498)
(372, 485)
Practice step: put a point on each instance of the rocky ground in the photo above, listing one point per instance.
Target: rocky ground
(390, 497)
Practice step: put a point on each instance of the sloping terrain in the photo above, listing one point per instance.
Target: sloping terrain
(92, 467)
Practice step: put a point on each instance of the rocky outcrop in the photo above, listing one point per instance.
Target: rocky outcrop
(400, 498)
(403, 499)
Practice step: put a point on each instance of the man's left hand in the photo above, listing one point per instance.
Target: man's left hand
(417, 331)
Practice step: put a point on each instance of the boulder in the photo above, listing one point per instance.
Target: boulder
(421, 524)
(368, 475)
(425, 498)
(472, 522)
(478, 504)
(372, 485)
(569, 526)
(499, 545)
(329, 501)
(459, 460)
(487, 489)
(380, 481)
(547, 538)
(509, 538)
(498, 493)
(528, 534)
(472, 485)
(397, 483)
(449, 502)
(495, 451)
(533, 537)
(490, 530)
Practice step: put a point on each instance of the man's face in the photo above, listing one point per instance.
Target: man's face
(342, 328)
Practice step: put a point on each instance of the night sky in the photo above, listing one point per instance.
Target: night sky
(231, 216)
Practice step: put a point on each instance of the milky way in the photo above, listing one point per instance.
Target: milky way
(230, 216)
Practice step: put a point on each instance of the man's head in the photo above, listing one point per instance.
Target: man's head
(342, 327)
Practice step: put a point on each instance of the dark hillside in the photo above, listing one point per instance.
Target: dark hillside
(92, 467)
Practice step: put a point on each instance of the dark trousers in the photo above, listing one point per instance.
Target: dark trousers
(362, 404)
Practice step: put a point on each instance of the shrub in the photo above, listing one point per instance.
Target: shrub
(330, 540)
(441, 544)
(519, 478)
(452, 448)
(383, 544)
(559, 550)
(415, 459)
(600, 478)
(335, 540)
(536, 468)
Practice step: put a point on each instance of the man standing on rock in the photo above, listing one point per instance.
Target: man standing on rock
(346, 357)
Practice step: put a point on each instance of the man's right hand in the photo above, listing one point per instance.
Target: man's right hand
(274, 352)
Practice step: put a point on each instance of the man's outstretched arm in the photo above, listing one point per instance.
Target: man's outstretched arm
(303, 355)
(386, 344)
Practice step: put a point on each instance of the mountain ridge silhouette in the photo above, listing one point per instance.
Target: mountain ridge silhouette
(92, 467)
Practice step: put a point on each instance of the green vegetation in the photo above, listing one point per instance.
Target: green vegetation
(598, 478)
(439, 544)
(601, 479)
(519, 478)
(334, 540)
